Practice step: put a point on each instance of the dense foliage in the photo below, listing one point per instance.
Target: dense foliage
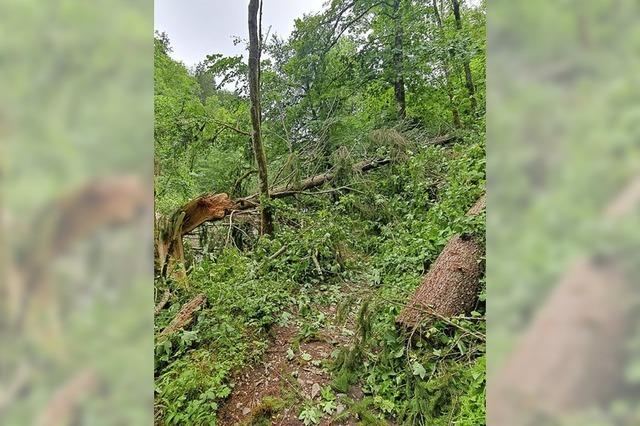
(359, 244)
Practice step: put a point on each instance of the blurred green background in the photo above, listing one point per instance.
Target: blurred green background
(563, 134)
(76, 122)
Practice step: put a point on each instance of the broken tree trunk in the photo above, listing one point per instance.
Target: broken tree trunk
(451, 285)
(169, 247)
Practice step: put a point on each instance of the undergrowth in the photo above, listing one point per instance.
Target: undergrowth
(382, 233)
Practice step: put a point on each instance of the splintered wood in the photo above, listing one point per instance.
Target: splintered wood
(169, 249)
(203, 209)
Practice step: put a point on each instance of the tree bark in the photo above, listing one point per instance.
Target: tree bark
(256, 114)
(467, 69)
(398, 60)
(454, 111)
(450, 287)
(184, 317)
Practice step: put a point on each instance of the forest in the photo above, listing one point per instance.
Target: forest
(320, 220)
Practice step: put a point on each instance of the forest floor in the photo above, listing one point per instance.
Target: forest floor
(293, 376)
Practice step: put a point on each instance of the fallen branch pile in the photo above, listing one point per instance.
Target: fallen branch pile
(169, 249)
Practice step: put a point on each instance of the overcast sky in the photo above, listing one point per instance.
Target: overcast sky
(198, 28)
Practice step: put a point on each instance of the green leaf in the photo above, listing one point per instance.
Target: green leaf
(310, 416)
(399, 353)
(419, 370)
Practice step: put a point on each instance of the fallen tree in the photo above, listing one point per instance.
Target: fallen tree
(169, 249)
(312, 182)
(451, 285)
(213, 207)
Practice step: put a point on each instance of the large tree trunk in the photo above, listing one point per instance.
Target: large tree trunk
(451, 286)
(398, 60)
(256, 113)
(467, 69)
(572, 356)
(454, 111)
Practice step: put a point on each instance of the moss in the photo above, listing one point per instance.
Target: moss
(269, 407)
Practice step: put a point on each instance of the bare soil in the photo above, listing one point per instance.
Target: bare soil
(290, 381)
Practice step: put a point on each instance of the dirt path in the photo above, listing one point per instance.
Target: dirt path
(293, 377)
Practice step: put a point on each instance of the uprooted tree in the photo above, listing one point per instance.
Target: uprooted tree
(450, 287)
(169, 250)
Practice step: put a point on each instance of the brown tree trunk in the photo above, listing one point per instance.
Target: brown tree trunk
(467, 69)
(451, 285)
(454, 111)
(398, 60)
(256, 114)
